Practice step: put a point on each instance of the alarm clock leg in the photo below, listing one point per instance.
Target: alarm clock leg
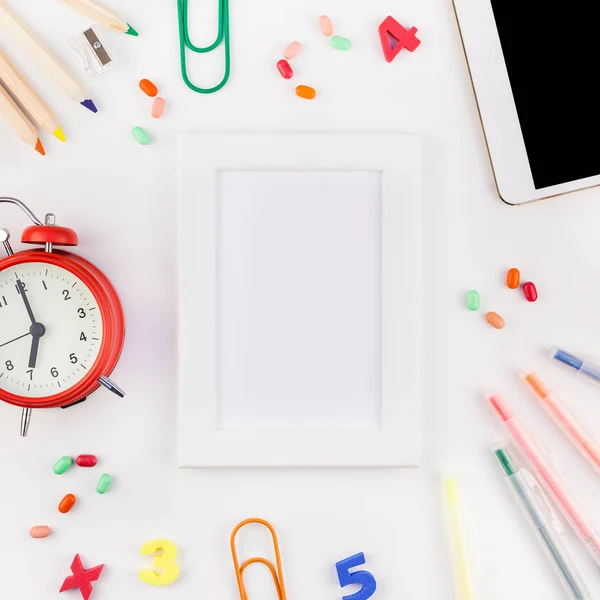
(112, 386)
(25, 420)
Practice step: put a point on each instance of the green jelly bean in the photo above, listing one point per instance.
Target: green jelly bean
(340, 43)
(473, 300)
(141, 137)
(63, 464)
(104, 483)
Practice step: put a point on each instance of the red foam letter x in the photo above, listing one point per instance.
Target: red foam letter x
(81, 578)
(394, 37)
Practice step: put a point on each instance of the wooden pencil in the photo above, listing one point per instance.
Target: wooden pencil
(28, 98)
(19, 122)
(44, 57)
(102, 15)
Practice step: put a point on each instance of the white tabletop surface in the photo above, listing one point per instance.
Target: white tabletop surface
(120, 198)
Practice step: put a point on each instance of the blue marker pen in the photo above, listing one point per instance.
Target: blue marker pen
(588, 367)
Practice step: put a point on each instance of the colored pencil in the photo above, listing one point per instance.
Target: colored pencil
(102, 15)
(27, 97)
(44, 58)
(21, 125)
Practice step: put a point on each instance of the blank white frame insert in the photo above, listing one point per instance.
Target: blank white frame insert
(299, 300)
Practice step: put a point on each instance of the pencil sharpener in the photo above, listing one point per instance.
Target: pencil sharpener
(93, 53)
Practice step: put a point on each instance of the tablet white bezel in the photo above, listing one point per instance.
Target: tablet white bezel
(497, 108)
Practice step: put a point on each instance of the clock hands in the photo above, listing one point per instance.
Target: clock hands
(37, 330)
(15, 339)
(23, 293)
(35, 346)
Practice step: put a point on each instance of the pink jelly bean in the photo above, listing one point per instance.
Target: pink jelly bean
(158, 106)
(40, 531)
(325, 25)
(292, 50)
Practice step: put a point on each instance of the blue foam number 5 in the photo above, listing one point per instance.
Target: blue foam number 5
(364, 578)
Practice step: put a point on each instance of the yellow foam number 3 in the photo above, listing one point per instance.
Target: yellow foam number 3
(165, 570)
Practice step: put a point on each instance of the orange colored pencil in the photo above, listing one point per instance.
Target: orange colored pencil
(20, 124)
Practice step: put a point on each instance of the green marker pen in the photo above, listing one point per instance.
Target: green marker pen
(524, 485)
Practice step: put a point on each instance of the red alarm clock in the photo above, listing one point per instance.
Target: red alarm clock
(61, 322)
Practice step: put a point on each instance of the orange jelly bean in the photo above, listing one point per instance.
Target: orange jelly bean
(304, 91)
(495, 320)
(67, 503)
(513, 278)
(148, 88)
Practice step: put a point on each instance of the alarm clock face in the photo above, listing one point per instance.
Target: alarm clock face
(50, 330)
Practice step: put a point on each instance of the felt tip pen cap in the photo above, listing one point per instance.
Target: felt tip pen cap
(566, 358)
(499, 406)
(505, 459)
(587, 367)
(535, 384)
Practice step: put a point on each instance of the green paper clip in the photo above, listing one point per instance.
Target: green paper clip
(186, 44)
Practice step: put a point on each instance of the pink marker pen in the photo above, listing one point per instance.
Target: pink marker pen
(552, 485)
(563, 418)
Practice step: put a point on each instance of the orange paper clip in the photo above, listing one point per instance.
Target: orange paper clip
(239, 570)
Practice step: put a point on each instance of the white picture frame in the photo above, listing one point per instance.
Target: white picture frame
(397, 158)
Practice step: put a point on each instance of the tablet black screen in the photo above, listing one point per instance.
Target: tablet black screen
(553, 62)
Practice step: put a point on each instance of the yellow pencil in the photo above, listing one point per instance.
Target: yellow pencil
(102, 15)
(27, 97)
(44, 57)
(21, 125)
(456, 539)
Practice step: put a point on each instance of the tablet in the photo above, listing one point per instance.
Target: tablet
(535, 74)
